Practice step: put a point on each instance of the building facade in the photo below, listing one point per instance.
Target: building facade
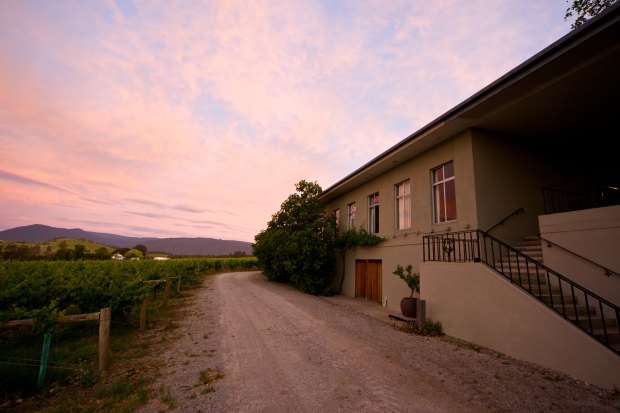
(528, 159)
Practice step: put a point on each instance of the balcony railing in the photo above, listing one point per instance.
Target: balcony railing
(589, 192)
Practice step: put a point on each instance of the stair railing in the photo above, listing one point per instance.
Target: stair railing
(597, 317)
(607, 271)
(513, 213)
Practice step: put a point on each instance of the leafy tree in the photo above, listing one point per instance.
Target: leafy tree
(64, 254)
(78, 251)
(102, 253)
(133, 253)
(584, 10)
(142, 249)
(121, 251)
(298, 244)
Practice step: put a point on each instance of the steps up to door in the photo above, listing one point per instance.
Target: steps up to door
(527, 275)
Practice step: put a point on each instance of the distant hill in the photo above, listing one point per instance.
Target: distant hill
(176, 246)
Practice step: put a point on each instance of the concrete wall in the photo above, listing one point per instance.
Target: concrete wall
(591, 233)
(405, 246)
(510, 173)
(475, 304)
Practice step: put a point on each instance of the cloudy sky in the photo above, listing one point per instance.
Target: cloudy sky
(197, 118)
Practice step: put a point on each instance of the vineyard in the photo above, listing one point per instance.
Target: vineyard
(44, 290)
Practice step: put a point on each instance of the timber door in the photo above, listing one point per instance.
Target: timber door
(368, 279)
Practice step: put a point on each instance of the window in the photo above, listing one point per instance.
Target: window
(337, 215)
(403, 205)
(444, 193)
(351, 216)
(373, 213)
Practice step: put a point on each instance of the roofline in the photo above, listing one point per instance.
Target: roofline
(555, 49)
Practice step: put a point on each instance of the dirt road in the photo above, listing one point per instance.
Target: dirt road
(255, 346)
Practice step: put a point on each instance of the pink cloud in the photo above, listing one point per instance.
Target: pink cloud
(211, 112)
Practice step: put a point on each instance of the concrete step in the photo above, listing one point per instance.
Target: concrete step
(612, 337)
(597, 323)
(557, 298)
(513, 256)
(521, 266)
(524, 280)
(536, 289)
(569, 309)
(521, 247)
(532, 243)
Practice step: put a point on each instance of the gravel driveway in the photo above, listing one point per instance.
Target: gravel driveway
(249, 345)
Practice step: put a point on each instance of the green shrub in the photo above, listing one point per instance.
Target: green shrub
(428, 328)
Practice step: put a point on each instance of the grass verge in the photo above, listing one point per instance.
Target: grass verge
(72, 383)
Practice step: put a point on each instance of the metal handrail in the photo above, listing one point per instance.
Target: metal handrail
(531, 276)
(513, 213)
(608, 272)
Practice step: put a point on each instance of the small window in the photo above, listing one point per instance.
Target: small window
(444, 193)
(337, 216)
(403, 205)
(351, 216)
(373, 213)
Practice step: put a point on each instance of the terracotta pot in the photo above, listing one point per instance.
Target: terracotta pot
(408, 306)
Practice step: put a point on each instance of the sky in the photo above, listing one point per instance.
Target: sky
(197, 118)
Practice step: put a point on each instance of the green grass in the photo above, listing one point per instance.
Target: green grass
(71, 243)
(79, 389)
(72, 348)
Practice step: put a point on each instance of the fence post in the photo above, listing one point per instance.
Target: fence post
(143, 307)
(104, 340)
(44, 356)
(167, 290)
(179, 285)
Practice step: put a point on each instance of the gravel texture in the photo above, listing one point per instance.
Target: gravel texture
(249, 345)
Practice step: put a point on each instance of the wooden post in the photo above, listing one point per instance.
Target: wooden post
(105, 317)
(143, 308)
(179, 285)
(167, 290)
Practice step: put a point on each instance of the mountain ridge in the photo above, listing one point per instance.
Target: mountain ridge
(177, 246)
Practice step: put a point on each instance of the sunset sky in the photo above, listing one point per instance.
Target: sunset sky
(189, 118)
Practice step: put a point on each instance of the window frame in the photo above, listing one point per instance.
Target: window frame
(337, 216)
(404, 199)
(439, 185)
(373, 213)
(351, 215)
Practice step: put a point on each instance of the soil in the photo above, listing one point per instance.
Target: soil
(250, 345)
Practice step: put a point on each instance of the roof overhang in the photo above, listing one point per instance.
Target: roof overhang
(569, 91)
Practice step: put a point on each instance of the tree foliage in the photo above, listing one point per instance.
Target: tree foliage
(133, 253)
(407, 275)
(354, 237)
(142, 249)
(584, 10)
(298, 244)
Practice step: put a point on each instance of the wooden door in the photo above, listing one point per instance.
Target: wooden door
(368, 279)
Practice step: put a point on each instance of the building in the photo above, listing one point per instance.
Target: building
(509, 207)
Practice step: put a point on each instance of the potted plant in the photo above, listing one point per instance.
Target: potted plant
(408, 305)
